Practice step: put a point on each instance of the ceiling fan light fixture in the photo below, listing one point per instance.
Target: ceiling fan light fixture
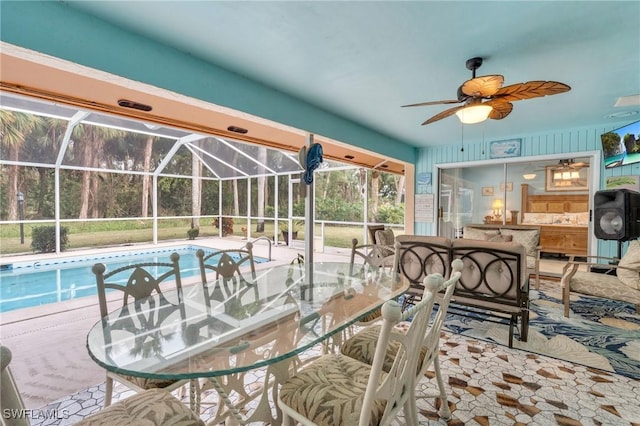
(474, 114)
(529, 173)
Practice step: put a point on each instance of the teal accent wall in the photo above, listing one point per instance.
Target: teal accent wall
(54, 28)
(565, 141)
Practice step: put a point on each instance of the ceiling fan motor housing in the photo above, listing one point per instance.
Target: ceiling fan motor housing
(473, 64)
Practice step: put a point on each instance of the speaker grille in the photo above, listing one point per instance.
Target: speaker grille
(617, 214)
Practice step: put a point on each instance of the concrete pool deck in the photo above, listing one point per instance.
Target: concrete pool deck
(48, 342)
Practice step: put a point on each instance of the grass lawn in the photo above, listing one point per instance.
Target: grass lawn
(104, 234)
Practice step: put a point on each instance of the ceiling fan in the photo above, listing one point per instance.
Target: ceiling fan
(486, 95)
(569, 164)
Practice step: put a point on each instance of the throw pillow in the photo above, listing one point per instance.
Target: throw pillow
(471, 233)
(529, 238)
(631, 259)
(386, 237)
(499, 238)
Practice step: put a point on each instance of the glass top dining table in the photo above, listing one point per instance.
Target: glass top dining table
(216, 330)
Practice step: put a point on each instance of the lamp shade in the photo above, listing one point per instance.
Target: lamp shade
(497, 204)
(474, 113)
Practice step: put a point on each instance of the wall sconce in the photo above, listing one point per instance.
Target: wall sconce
(497, 205)
(474, 113)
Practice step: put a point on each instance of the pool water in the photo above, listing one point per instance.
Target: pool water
(28, 284)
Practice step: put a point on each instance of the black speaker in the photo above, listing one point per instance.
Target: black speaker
(617, 214)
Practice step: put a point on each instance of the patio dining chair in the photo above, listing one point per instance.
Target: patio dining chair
(372, 262)
(227, 274)
(362, 346)
(369, 263)
(340, 390)
(142, 284)
(152, 406)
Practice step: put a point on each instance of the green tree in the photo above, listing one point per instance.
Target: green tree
(629, 142)
(14, 129)
(610, 144)
(89, 152)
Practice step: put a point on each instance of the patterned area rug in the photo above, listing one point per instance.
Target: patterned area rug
(599, 333)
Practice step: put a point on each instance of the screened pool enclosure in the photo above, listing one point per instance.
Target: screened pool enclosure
(86, 172)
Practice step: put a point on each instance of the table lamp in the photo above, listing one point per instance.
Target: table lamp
(497, 206)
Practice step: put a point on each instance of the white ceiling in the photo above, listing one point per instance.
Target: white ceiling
(363, 60)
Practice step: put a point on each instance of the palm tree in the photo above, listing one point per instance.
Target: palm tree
(42, 147)
(146, 178)
(262, 187)
(90, 146)
(15, 127)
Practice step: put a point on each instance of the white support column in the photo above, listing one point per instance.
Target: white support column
(308, 230)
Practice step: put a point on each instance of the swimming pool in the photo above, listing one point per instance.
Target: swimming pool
(28, 284)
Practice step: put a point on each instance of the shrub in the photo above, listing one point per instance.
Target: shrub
(227, 225)
(193, 233)
(390, 213)
(44, 239)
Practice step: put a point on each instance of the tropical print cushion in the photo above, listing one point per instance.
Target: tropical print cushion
(330, 391)
(151, 407)
(605, 286)
(149, 383)
(373, 316)
(631, 259)
(362, 346)
(386, 237)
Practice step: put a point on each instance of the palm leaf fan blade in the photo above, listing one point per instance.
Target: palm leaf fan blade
(501, 108)
(444, 114)
(530, 89)
(449, 101)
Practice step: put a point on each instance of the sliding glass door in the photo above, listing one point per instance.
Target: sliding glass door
(493, 193)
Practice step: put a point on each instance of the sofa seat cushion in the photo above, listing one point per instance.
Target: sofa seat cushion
(605, 286)
(631, 259)
(151, 407)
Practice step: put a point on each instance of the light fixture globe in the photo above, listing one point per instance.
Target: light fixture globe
(474, 113)
(529, 173)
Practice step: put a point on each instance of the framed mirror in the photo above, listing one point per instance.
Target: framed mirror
(567, 178)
